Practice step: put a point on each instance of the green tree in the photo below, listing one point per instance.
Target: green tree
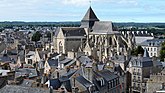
(138, 50)
(36, 36)
(162, 52)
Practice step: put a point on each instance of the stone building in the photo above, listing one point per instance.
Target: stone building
(156, 82)
(97, 38)
(140, 68)
(153, 46)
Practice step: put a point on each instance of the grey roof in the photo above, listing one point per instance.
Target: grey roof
(153, 42)
(90, 16)
(142, 62)
(83, 81)
(74, 31)
(119, 59)
(21, 89)
(6, 58)
(103, 27)
(65, 61)
(146, 53)
(55, 83)
(67, 75)
(53, 62)
(107, 75)
(100, 66)
(26, 71)
(2, 47)
(27, 83)
(84, 59)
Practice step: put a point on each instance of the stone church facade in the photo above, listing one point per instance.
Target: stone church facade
(94, 37)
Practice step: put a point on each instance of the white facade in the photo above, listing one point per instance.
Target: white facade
(153, 46)
(153, 50)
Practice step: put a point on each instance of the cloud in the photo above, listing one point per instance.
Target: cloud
(87, 2)
(76, 2)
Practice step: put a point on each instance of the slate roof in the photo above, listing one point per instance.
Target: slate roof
(6, 58)
(90, 16)
(142, 62)
(27, 83)
(118, 58)
(153, 42)
(55, 83)
(74, 31)
(103, 27)
(26, 71)
(21, 89)
(67, 75)
(53, 62)
(106, 74)
(83, 81)
(65, 61)
(84, 59)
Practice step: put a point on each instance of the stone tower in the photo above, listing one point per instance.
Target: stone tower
(89, 19)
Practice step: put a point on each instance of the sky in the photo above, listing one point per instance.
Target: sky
(74, 10)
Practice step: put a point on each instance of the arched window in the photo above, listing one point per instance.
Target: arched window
(60, 47)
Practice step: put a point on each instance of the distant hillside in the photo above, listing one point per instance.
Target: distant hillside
(139, 24)
(3, 24)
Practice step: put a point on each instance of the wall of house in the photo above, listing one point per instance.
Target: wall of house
(155, 83)
(60, 42)
(153, 50)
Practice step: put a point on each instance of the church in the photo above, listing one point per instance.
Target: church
(96, 38)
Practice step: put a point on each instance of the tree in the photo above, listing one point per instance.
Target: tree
(162, 52)
(36, 36)
(138, 50)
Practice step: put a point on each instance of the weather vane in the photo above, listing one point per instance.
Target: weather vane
(90, 2)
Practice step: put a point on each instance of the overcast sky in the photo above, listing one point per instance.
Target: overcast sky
(74, 10)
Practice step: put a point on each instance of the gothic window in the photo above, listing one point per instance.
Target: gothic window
(110, 40)
(60, 47)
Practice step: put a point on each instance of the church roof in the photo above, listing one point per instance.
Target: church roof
(73, 31)
(104, 27)
(90, 16)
